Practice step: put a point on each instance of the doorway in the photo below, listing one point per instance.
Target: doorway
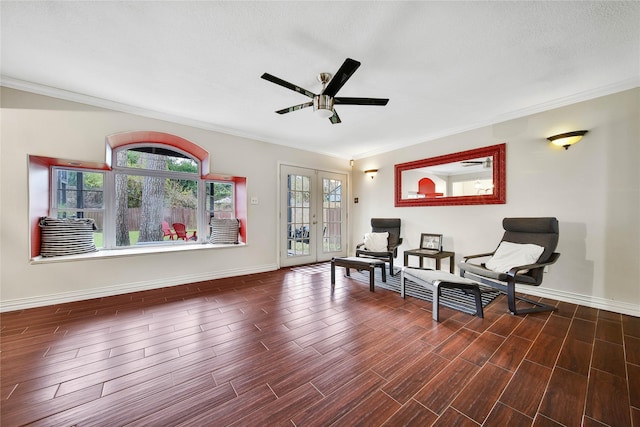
(313, 215)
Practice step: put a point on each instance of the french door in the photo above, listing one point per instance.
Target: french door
(312, 215)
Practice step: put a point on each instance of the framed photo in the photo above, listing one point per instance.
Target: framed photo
(431, 241)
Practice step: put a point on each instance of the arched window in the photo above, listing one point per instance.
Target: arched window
(156, 195)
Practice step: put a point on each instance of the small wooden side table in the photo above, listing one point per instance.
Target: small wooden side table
(359, 263)
(429, 253)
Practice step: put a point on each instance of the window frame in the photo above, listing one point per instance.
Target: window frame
(108, 209)
(42, 186)
(110, 214)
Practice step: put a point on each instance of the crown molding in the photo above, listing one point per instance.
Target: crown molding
(610, 89)
(38, 89)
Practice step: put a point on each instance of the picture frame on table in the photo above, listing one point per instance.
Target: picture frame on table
(431, 241)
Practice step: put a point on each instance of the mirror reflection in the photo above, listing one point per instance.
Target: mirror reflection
(469, 177)
(466, 178)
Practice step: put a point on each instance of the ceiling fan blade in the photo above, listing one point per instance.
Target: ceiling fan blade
(291, 86)
(294, 108)
(340, 78)
(360, 101)
(335, 119)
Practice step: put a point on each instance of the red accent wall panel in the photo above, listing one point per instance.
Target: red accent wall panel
(38, 199)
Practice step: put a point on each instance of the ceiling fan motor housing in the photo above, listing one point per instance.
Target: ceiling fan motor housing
(323, 104)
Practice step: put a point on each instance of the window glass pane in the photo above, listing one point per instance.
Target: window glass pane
(77, 189)
(80, 194)
(156, 158)
(152, 209)
(220, 199)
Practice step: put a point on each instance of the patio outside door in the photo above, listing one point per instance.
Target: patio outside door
(312, 215)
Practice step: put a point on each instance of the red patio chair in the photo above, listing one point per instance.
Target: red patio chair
(166, 230)
(181, 231)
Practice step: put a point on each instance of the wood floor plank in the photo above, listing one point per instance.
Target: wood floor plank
(373, 411)
(280, 411)
(411, 414)
(408, 381)
(575, 356)
(609, 331)
(526, 388)
(565, 396)
(187, 408)
(232, 410)
(482, 348)
(510, 354)
(346, 371)
(456, 344)
(480, 395)
(445, 386)
(277, 348)
(405, 353)
(452, 417)
(610, 404)
(609, 357)
(631, 326)
(503, 415)
(341, 402)
(633, 372)
(632, 349)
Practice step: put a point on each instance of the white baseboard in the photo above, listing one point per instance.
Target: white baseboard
(585, 300)
(44, 300)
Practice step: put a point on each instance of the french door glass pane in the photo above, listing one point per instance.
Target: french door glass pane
(331, 215)
(298, 215)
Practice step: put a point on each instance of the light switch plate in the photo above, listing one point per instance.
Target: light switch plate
(254, 200)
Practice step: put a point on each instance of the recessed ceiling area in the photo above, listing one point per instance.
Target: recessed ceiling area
(446, 67)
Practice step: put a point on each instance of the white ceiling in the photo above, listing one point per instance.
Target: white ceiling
(445, 66)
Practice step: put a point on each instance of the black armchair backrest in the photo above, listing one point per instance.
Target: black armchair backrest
(539, 231)
(390, 225)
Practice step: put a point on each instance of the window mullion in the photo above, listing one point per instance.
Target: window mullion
(109, 208)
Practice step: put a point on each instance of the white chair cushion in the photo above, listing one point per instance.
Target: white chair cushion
(431, 276)
(509, 255)
(376, 242)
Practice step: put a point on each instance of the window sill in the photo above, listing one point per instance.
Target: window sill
(116, 253)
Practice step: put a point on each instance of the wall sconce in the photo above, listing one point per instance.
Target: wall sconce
(567, 139)
(351, 162)
(371, 172)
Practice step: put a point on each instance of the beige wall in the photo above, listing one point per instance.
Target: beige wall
(593, 189)
(39, 125)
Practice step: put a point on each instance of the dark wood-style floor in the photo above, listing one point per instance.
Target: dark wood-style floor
(277, 349)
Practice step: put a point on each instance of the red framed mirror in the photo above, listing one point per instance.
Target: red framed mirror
(472, 177)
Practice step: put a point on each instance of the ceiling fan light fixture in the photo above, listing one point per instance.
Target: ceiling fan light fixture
(323, 106)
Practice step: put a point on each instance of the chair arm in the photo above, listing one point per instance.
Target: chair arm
(359, 245)
(468, 257)
(552, 259)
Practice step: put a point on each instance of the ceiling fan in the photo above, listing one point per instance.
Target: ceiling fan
(486, 163)
(324, 102)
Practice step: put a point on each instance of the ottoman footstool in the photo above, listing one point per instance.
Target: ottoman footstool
(435, 281)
